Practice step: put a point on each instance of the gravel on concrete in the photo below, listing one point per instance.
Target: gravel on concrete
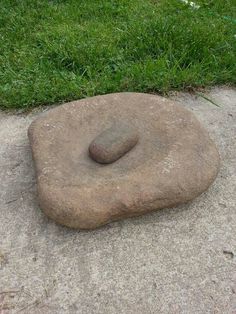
(178, 260)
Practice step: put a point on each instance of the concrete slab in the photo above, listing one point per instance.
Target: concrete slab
(179, 260)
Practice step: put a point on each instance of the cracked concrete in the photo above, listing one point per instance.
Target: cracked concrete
(178, 260)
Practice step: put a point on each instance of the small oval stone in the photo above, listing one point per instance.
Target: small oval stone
(113, 143)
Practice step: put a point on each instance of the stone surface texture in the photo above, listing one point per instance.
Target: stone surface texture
(173, 261)
(174, 161)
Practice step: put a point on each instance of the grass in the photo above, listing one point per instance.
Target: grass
(59, 50)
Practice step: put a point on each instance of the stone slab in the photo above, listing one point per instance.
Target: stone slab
(173, 162)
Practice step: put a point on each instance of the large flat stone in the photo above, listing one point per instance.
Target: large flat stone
(173, 162)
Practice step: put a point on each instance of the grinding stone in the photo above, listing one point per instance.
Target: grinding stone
(113, 143)
(173, 161)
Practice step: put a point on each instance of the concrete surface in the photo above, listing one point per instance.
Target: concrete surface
(179, 260)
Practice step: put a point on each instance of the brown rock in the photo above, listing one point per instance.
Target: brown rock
(113, 143)
(173, 162)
